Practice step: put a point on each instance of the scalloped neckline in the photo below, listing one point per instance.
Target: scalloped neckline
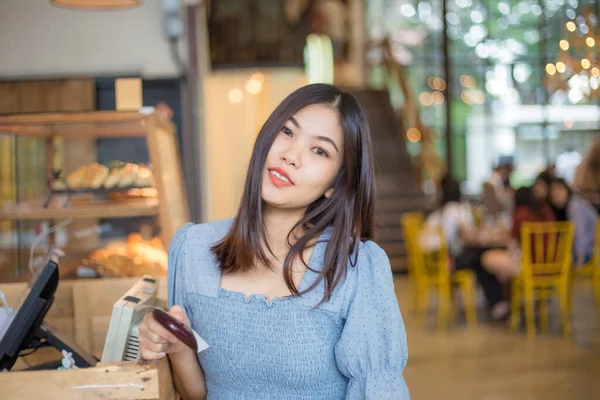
(255, 298)
(261, 297)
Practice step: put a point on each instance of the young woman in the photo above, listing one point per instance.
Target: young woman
(568, 206)
(506, 264)
(290, 300)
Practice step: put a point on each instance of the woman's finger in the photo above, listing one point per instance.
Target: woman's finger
(152, 337)
(151, 355)
(155, 347)
(157, 329)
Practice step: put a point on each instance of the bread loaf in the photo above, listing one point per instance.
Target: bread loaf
(128, 175)
(113, 178)
(77, 178)
(144, 178)
(97, 174)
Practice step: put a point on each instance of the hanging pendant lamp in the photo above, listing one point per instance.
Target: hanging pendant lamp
(96, 4)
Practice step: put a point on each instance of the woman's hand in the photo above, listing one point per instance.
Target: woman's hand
(155, 341)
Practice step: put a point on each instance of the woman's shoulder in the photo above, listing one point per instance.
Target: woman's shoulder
(369, 276)
(368, 268)
(372, 265)
(209, 233)
(192, 266)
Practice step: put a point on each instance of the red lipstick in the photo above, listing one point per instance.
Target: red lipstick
(277, 180)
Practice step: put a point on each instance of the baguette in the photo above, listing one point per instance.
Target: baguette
(128, 175)
(76, 179)
(144, 178)
(97, 174)
(113, 178)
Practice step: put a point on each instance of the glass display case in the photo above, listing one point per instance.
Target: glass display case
(110, 219)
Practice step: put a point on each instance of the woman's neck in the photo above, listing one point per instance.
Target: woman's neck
(278, 224)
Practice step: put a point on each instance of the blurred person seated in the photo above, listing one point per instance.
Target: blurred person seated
(506, 264)
(452, 216)
(568, 206)
(541, 185)
(465, 240)
(497, 193)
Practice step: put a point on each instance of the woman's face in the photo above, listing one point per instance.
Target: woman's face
(304, 159)
(540, 190)
(559, 195)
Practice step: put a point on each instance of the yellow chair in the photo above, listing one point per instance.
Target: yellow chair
(412, 223)
(430, 270)
(592, 268)
(546, 261)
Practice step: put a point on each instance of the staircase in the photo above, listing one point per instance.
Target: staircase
(398, 189)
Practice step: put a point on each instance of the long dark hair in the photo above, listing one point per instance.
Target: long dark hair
(450, 191)
(524, 197)
(349, 211)
(560, 213)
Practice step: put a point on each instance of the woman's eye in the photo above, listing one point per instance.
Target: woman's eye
(319, 151)
(286, 131)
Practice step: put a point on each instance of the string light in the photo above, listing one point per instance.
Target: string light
(430, 82)
(561, 67)
(439, 84)
(571, 26)
(467, 81)
(235, 95)
(438, 97)
(585, 63)
(413, 135)
(550, 69)
(426, 99)
(253, 85)
(564, 45)
(590, 41)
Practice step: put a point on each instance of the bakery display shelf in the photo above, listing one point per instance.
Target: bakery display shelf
(89, 209)
(166, 198)
(69, 192)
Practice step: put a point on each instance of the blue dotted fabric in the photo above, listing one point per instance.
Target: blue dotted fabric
(351, 347)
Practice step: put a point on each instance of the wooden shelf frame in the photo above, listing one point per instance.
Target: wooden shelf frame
(76, 124)
(92, 209)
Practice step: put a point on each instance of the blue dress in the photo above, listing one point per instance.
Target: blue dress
(351, 347)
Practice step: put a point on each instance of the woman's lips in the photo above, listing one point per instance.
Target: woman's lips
(280, 178)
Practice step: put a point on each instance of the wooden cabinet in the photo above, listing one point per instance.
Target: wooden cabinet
(165, 204)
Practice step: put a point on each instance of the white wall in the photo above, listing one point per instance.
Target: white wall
(230, 130)
(38, 39)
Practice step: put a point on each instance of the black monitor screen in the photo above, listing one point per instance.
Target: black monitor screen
(22, 329)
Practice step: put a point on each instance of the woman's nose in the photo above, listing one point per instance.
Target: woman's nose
(292, 156)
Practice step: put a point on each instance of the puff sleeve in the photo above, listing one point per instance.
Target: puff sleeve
(177, 268)
(372, 350)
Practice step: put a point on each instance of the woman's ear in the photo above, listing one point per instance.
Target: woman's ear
(328, 193)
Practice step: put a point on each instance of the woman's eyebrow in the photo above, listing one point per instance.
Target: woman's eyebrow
(321, 138)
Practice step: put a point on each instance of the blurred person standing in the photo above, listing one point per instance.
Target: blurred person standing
(586, 180)
(567, 163)
(497, 192)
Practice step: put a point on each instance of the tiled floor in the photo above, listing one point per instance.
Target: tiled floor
(490, 363)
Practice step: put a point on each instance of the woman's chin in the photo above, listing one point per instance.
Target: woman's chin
(282, 204)
(276, 202)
